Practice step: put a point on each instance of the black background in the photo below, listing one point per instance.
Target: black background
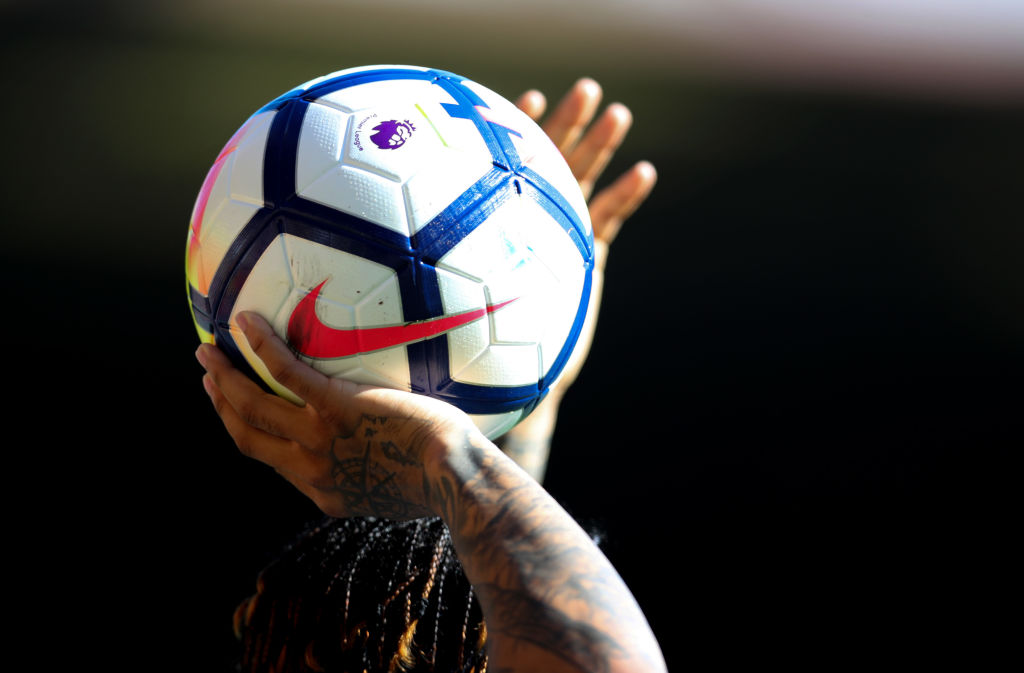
(794, 429)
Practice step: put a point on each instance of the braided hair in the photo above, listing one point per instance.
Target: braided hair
(364, 595)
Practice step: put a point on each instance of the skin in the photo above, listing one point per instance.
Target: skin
(551, 600)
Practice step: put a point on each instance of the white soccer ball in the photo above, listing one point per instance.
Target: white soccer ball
(402, 227)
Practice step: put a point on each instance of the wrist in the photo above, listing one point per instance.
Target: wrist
(449, 457)
(529, 443)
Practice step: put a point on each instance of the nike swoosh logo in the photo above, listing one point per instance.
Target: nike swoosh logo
(312, 338)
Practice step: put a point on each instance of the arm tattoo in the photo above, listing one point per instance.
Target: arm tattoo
(527, 619)
(369, 482)
(398, 455)
(541, 577)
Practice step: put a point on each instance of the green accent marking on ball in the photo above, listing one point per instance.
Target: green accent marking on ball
(431, 124)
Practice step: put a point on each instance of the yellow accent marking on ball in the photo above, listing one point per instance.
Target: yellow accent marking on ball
(431, 124)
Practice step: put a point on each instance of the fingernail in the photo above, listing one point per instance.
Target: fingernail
(243, 322)
(201, 355)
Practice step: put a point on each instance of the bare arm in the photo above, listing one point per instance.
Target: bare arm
(550, 598)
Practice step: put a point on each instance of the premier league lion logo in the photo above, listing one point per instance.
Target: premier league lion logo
(392, 134)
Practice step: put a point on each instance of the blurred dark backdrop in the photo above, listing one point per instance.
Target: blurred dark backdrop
(795, 427)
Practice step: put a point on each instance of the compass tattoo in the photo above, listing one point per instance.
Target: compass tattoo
(369, 483)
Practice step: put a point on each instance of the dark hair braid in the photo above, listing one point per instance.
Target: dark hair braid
(364, 594)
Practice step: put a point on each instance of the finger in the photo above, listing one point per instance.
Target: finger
(256, 408)
(589, 159)
(533, 103)
(574, 112)
(615, 203)
(285, 456)
(250, 440)
(298, 377)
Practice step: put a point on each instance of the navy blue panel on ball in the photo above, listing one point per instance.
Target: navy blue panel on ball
(551, 200)
(413, 259)
(432, 372)
(200, 308)
(280, 154)
(463, 215)
(365, 77)
(346, 81)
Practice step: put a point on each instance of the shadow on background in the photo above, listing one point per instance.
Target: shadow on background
(795, 425)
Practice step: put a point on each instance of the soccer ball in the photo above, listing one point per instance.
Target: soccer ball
(402, 227)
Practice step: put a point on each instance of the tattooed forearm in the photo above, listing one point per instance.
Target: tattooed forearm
(544, 585)
(551, 600)
(523, 618)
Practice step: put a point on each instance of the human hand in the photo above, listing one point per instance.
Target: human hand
(358, 450)
(587, 151)
(354, 450)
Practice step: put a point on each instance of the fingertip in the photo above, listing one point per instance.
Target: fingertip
(645, 177)
(535, 98)
(203, 356)
(252, 324)
(647, 171)
(533, 103)
(209, 386)
(588, 86)
(622, 114)
(209, 356)
(250, 320)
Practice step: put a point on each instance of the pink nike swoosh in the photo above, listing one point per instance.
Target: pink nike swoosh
(312, 338)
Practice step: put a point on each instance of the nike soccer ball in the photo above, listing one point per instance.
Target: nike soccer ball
(402, 227)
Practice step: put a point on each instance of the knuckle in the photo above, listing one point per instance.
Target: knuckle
(287, 373)
(219, 405)
(331, 416)
(244, 443)
(248, 413)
